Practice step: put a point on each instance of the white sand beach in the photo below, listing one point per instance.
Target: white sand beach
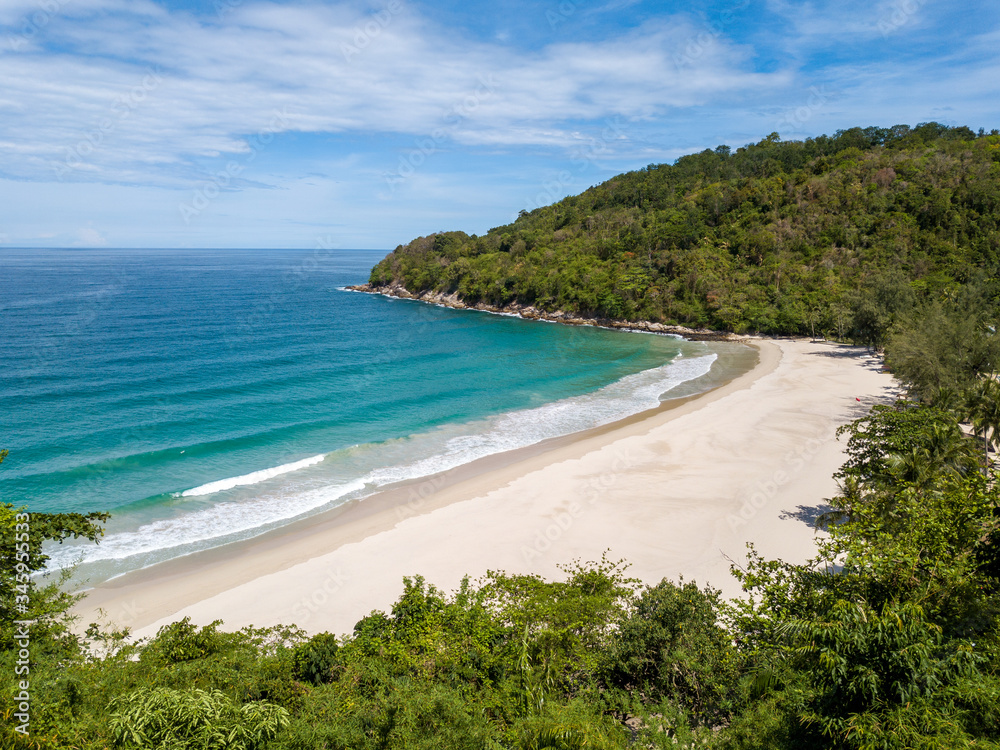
(678, 492)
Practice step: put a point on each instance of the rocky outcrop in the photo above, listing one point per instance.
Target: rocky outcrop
(533, 313)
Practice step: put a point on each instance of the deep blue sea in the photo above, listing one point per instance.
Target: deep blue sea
(204, 396)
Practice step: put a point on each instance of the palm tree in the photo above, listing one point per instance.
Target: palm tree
(916, 466)
(947, 449)
(948, 400)
(843, 506)
(984, 413)
(940, 450)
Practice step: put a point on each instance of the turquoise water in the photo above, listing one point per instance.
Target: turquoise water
(207, 396)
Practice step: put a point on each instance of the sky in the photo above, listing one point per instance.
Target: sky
(237, 123)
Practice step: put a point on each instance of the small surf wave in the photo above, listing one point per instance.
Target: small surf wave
(189, 532)
(517, 429)
(254, 477)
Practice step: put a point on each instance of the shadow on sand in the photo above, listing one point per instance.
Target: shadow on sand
(807, 514)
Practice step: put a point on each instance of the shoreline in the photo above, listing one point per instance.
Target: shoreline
(397, 496)
(732, 360)
(651, 488)
(528, 312)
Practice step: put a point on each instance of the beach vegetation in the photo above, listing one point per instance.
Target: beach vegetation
(27, 595)
(946, 346)
(195, 719)
(316, 659)
(670, 647)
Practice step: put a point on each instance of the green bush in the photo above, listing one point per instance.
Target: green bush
(192, 719)
(314, 660)
(182, 641)
(670, 646)
(379, 711)
(574, 726)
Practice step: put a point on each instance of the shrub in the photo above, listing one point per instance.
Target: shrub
(182, 641)
(315, 659)
(196, 719)
(670, 646)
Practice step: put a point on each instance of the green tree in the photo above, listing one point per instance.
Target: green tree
(22, 595)
(886, 638)
(671, 646)
(903, 443)
(942, 346)
(882, 677)
(876, 306)
(316, 660)
(757, 238)
(562, 624)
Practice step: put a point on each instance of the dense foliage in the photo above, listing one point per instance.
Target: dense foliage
(836, 234)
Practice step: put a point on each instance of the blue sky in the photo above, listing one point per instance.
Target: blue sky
(237, 123)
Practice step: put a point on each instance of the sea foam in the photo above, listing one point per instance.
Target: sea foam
(254, 477)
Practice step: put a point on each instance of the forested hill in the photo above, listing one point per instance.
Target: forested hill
(776, 237)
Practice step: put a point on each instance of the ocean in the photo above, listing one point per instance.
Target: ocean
(207, 396)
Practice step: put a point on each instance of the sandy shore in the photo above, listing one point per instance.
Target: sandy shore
(679, 491)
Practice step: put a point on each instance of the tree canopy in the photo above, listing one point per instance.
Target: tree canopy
(840, 234)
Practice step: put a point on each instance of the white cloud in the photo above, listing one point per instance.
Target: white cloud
(136, 95)
(825, 23)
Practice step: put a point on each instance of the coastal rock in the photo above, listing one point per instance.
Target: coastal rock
(529, 312)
